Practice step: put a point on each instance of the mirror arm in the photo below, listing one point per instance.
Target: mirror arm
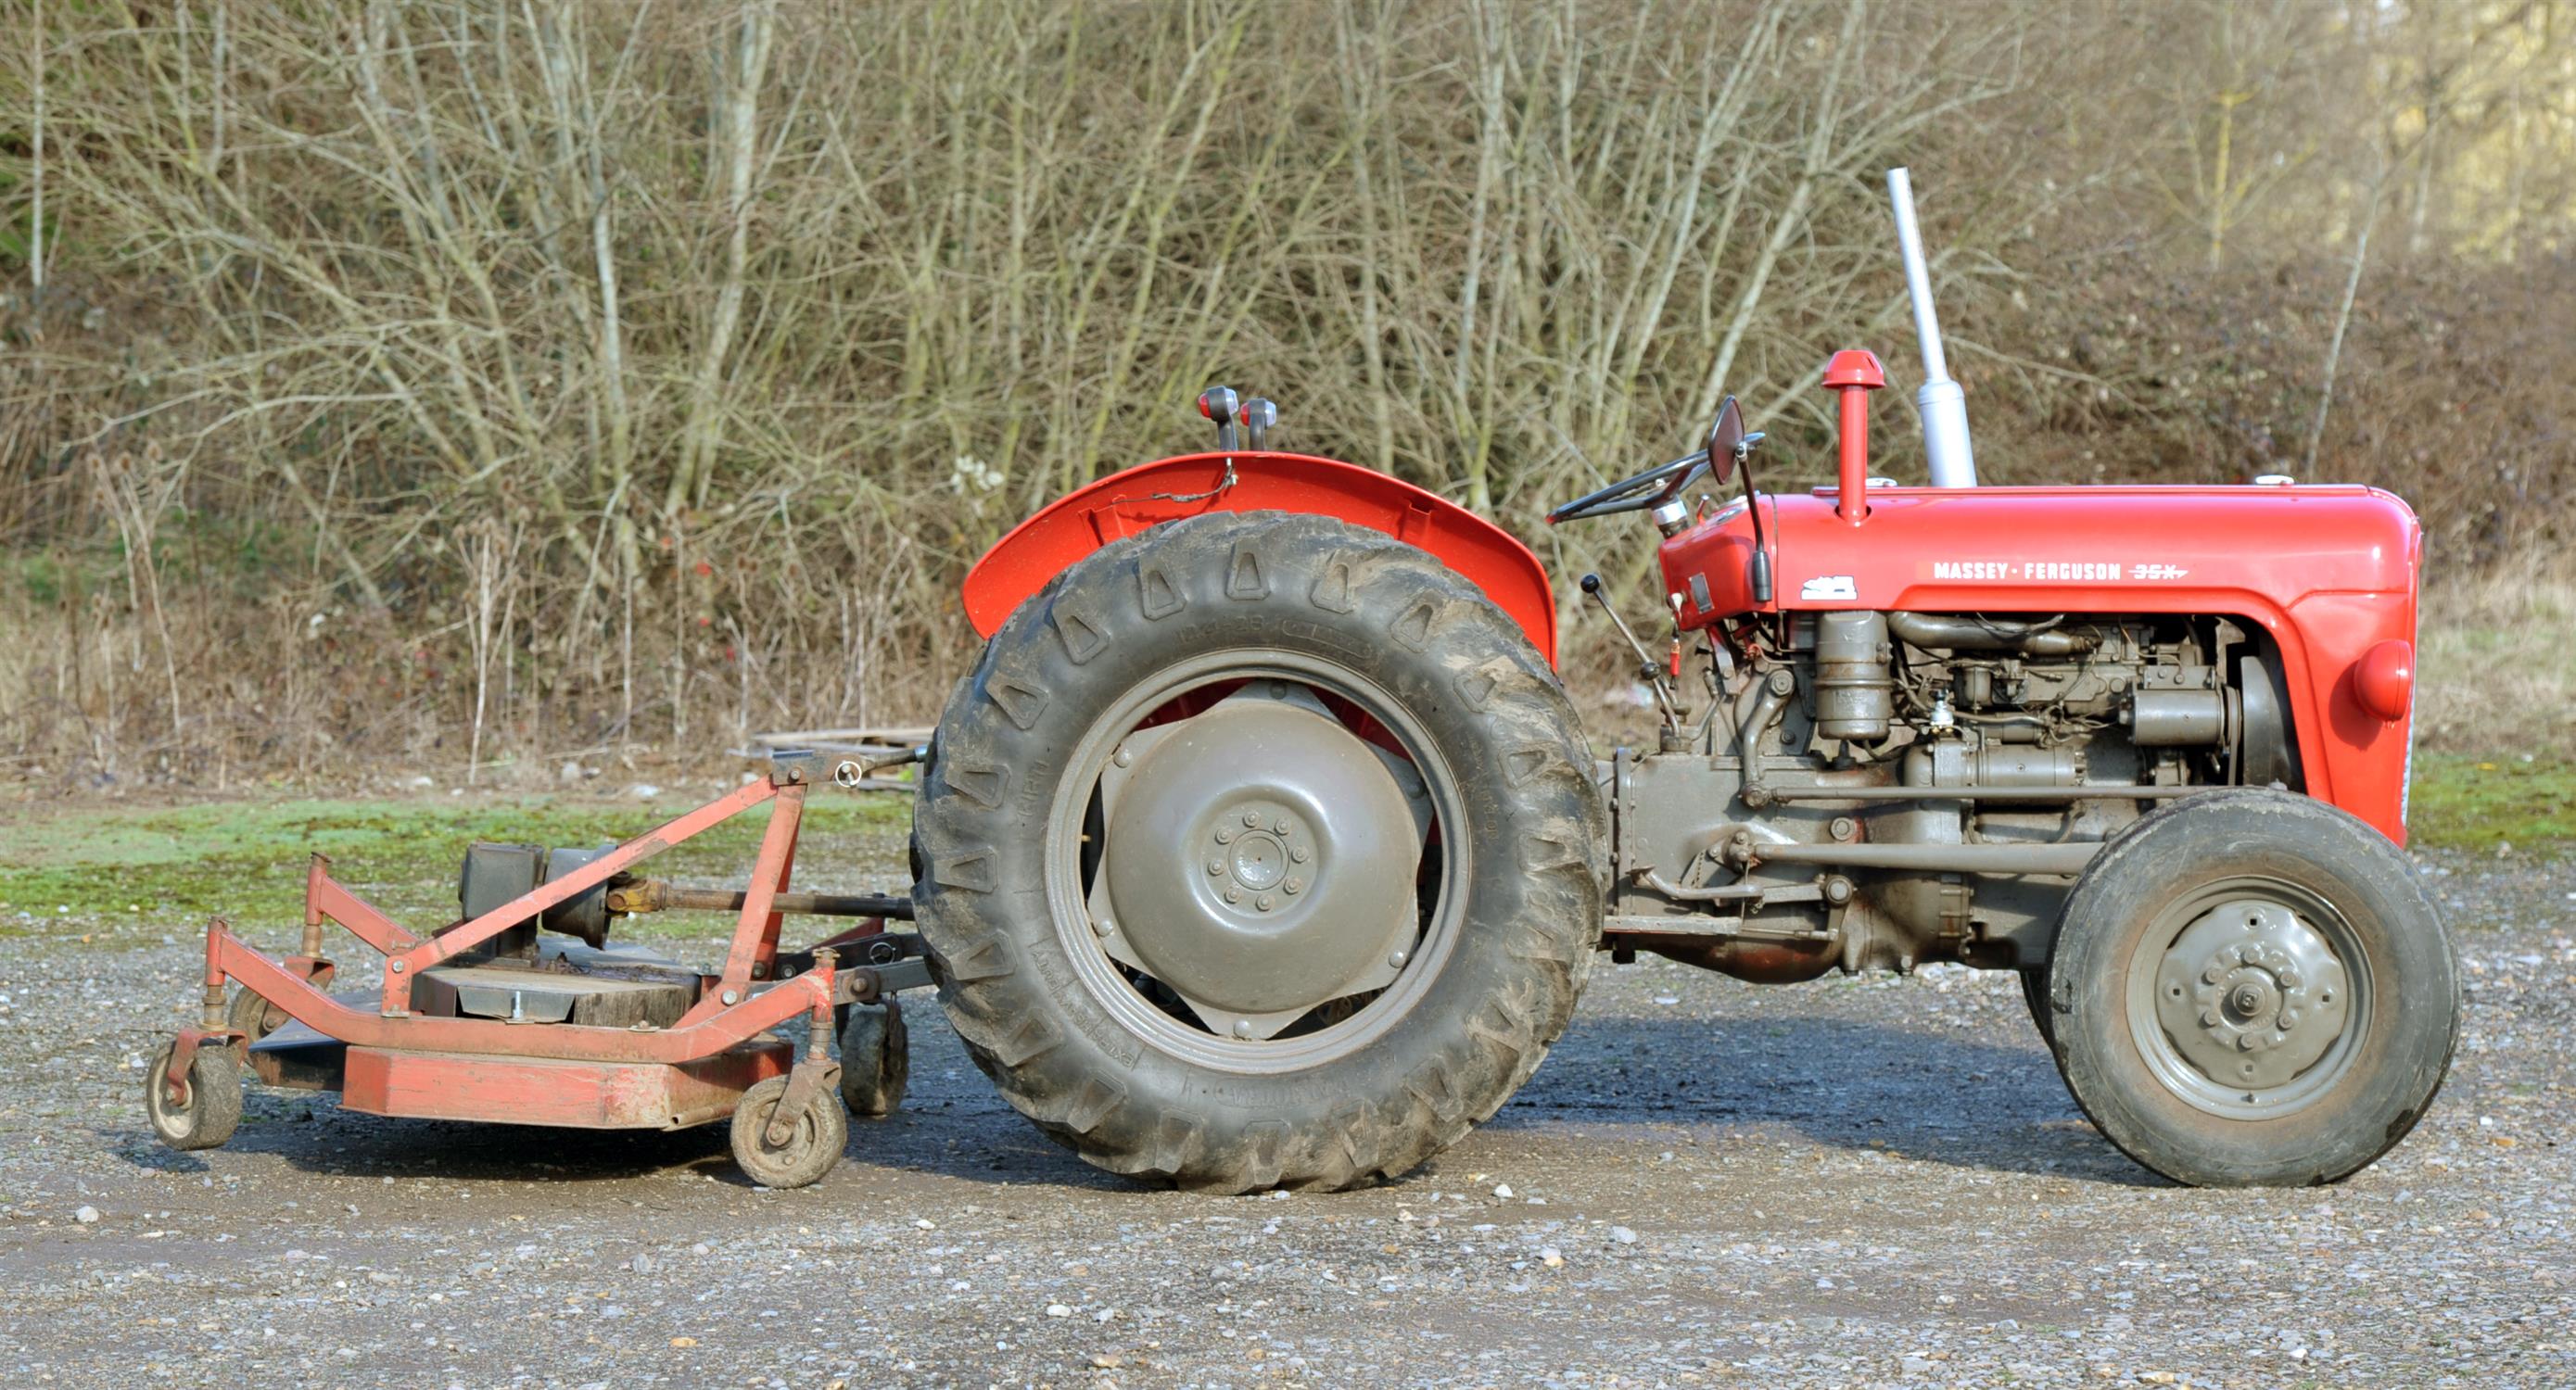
(1758, 569)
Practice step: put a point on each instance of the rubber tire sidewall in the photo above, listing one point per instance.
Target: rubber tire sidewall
(214, 1097)
(876, 1064)
(2034, 995)
(1394, 616)
(2414, 1014)
(764, 1165)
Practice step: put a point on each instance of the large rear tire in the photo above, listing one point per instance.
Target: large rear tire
(2251, 989)
(1260, 851)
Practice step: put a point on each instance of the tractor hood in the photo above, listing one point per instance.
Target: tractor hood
(2327, 572)
(2052, 549)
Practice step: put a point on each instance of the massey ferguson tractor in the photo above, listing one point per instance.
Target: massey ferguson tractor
(1263, 848)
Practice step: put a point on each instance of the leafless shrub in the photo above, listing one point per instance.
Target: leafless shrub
(600, 374)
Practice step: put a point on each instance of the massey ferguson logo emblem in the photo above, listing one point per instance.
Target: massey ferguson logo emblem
(2050, 571)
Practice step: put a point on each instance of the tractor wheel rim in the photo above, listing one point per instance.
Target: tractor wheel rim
(1183, 923)
(2248, 997)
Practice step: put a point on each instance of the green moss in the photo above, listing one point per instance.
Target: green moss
(2477, 804)
(174, 866)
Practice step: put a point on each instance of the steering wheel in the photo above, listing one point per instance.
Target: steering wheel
(1652, 488)
(1727, 445)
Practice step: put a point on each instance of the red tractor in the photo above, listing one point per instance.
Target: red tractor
(1264, 848)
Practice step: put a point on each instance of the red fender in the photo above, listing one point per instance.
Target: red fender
(1123, 504)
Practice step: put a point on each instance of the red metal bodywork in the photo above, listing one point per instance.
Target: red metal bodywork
(1125, 503)
(2329, 572)
(550, 1091)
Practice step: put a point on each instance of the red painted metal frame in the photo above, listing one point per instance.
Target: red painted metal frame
(402, 965)
(543, 1091)
(710, 1027)
(1128, 502)
(2328, 572)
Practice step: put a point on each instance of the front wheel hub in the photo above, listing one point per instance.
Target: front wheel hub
(1259, 859)
(2251, 995)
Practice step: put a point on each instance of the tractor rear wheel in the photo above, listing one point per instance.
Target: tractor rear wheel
(2252, 989)
(1260, 851)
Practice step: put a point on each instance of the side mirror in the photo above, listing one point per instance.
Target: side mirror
(1725, 434)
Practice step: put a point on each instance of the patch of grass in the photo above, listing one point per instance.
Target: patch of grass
(2496, 669)
(2477, 804)
(174, 866)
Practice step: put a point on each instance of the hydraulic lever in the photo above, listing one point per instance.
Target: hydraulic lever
(1647, 667)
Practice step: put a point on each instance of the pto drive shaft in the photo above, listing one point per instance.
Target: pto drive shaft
(654, 895)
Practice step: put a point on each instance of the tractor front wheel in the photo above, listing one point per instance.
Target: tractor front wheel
(1261, 851)
(2251, 988)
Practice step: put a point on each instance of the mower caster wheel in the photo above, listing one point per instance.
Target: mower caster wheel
(809, 1152)
(253, 1015)
(214, 1104)
(875, 1060)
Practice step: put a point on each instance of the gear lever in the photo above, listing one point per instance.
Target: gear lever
(1648, 669)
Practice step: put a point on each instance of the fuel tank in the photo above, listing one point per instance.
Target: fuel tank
(2327, 571)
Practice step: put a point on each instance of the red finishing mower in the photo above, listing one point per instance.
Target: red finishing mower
(1264, 848)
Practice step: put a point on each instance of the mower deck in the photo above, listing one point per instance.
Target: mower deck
(481, 1021)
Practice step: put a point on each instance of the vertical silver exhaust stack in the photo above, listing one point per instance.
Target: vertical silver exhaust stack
(1943, 405)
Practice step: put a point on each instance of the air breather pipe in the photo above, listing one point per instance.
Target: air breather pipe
(1943, 404)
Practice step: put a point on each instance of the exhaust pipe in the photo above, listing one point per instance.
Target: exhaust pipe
(1943, 405)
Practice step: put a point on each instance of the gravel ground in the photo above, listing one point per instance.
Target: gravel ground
(1871, 1182)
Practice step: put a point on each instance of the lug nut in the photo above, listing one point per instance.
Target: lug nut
(1243, 1027)
(1397, 959)
(1265, 902)
(1103, 926)
(1234, 895)
(1216, 868)
(1124, 756)
(1251, 819)
(2209, 1018)
(1296, 854)
(1279, 826)
(1294, 885)
(1225, 835)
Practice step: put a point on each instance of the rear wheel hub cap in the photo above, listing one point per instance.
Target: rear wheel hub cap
(1259, 859)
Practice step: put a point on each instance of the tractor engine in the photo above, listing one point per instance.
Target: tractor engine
(1871, 789)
